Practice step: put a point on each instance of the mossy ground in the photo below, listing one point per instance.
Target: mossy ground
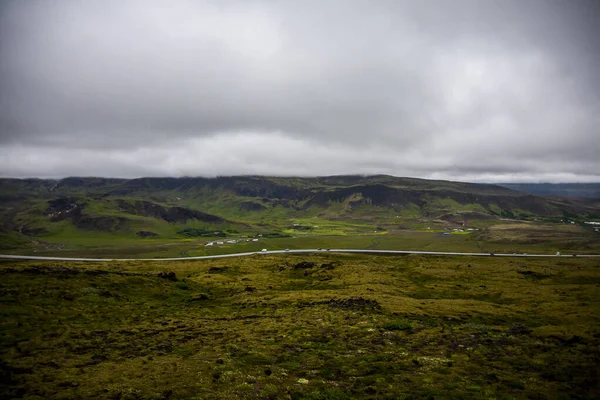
(314, 327)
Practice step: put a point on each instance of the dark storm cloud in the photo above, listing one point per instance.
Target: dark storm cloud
(478, 90)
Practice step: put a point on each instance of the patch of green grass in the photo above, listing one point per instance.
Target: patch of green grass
(398, 326)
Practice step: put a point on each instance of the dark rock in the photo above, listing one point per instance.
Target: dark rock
(216, 270)
(301, 227)
(533, 275)
(353, 303)
(168, 275)
(172, 214)
(68, 384)
(328, 266)
(99, 357)
(304, 265)
(370, 390)
(62, 205)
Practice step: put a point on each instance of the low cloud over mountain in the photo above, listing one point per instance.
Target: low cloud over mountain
(467, 90)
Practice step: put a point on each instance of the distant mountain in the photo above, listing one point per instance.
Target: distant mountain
(586, 190)
(183, 207)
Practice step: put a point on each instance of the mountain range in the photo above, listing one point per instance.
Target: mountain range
(586, 190)
(194, 206)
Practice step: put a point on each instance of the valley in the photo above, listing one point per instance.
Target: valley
(169, 217)
(326, 324)
(299, 200)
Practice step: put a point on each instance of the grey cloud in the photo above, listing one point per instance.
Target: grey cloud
(452, 89)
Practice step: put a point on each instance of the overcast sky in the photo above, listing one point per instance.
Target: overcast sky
(463, 90)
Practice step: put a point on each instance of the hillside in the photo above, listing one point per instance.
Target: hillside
(79, 209)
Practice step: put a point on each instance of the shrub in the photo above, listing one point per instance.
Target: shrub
(398, 326)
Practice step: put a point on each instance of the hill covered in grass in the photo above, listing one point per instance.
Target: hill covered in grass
(114, 209)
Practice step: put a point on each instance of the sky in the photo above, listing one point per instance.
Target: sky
(478, 90)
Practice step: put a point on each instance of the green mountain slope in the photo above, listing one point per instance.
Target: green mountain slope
(184, 207)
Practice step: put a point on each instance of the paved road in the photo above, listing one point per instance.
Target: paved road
(362, 251)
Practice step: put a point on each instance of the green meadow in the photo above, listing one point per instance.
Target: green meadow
(323, 326)
(521, 237)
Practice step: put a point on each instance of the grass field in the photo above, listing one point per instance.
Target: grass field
(301, 327)
(505, 237)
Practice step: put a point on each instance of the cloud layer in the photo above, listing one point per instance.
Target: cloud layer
(469, 90)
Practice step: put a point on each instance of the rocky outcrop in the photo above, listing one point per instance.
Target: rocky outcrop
(61, 207)
(466, 216)
(377, 195)
(70, 208)
(171, 214)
